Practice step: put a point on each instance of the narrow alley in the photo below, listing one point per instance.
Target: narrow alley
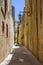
(21, 32)
(21, 56)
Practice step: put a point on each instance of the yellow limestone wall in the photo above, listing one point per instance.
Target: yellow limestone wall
(20, 34)
(33, 28)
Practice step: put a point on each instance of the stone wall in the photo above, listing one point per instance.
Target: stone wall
(33, 28)
(20, 34)
(4, 40)
(5, 31)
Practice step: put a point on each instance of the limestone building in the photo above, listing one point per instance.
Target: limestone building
(12, 24)
(5, 29)
(16, 31)
(33, 28)
(21, 35)
(34, 20)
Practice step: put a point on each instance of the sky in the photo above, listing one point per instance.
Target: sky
(19, 6)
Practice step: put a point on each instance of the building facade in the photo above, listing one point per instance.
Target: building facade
(34, 21)
(5, 44)
(20, 33)
(12, 25)
(33, 28)
(16, 31)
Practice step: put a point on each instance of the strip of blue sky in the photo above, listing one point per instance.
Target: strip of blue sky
(19, 6)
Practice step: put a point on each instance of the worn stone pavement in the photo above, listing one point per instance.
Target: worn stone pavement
(21, 56)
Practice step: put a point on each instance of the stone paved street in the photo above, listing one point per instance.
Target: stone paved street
(21, 56)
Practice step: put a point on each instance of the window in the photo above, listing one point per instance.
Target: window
(3, 27)
(6, 30)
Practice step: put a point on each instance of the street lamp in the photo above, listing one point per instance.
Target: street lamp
(19, 17)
